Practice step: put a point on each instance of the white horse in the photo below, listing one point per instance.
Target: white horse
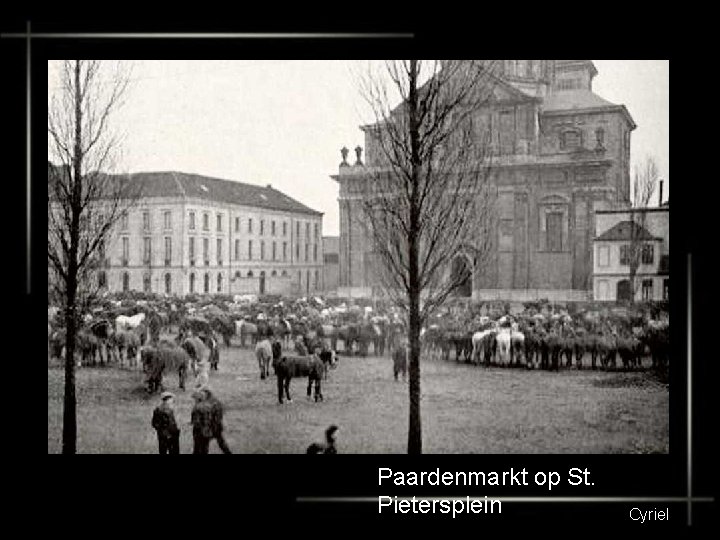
(122, 322)
(478, 342)
(503, 346)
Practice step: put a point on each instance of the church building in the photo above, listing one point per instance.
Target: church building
(560, 153)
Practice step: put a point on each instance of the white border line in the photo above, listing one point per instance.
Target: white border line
(210, 35)
(515, 499)
(689, 389)
(29, 163)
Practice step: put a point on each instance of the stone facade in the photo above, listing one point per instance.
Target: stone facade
(560, 153)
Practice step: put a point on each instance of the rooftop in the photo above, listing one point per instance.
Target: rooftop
(562, 101)
(185, 185)
(625, 231)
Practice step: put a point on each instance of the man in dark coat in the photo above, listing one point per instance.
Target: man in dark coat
(163, 421)
(216, 422)
(202, 420)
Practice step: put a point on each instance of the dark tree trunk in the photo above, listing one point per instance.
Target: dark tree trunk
(69, 404)
(415, 425)
(71, 316)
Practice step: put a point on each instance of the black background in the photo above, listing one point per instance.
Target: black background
(143, 495)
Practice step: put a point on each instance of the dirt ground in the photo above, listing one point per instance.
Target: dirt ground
(465, 409)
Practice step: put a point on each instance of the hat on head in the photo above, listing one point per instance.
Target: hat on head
(167, 395)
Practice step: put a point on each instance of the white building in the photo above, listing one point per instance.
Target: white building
(611, 268)
(192, 234)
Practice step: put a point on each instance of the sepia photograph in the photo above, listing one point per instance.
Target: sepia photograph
(358, 257)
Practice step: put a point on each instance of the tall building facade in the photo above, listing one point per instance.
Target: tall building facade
(192, 234)
(559, 152)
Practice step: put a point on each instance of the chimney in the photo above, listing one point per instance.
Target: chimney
(661, 192)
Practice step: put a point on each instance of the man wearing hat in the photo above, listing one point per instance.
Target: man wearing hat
(163, 421)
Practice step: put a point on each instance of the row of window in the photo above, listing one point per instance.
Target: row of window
(623, 290)
(147, 251)
(167, 281)
(647, 255)
(167, 224)
(573, 138)
(251, 253)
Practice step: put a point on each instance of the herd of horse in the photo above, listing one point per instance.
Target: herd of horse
(529, 339)
(552, 343)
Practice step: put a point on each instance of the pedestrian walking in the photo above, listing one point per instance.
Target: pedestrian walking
(201, 420)
(216, 424)
(163, 421)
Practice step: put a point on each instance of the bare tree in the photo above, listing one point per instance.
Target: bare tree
(646, 177)
(84, 203)
(427, 196)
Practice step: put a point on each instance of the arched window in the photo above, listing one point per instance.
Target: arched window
(274, 273)
(284, 273)
(126, 282)
(168, 283)
(146, 283)
(206, 287)
(250, 273)
(238, 274)
(461, 276)
(317, 280)
(622, 293)
(102, 280)
(262, 273)
(219, 283)
(192, 283)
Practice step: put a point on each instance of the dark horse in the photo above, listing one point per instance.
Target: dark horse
(165, 357)
(288, 367)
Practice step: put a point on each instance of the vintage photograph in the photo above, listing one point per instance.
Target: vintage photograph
(358, 257)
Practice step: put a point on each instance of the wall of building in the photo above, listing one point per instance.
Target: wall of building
(221, 265)
(605, 287)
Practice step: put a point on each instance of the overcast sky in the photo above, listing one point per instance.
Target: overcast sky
(283, 122)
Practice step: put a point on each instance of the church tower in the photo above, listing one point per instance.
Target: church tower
(573, 75)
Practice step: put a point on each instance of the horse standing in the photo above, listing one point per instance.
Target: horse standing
(264, 354)
(299, 366)
(164, 357)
